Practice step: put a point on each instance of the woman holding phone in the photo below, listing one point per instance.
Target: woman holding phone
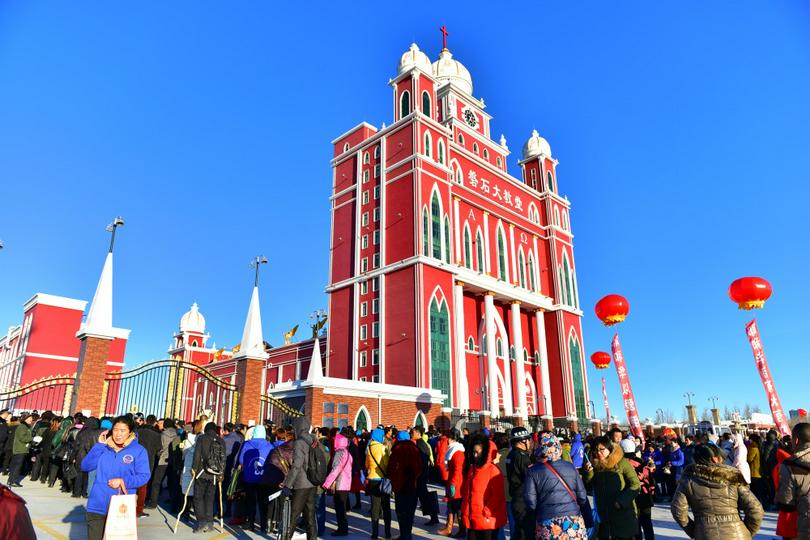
(121, 464)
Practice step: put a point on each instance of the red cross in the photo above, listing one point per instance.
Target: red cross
(445, 33)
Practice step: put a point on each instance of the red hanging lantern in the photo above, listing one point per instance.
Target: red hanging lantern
(600, 359)
(802, 413)
(612, 309)
(750, 292)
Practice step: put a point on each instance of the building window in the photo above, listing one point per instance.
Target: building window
(364, 219)
(376, 261)
(557, 216)
(375, 330)
(328, 422)
(458, 176)
(565, 220)
(404, 104)
(498, 161)
(376, 192)
(376, 152)
(375, 378)
(470, 344)
(365, 176)
(343, 408)
(440, 152)
(363, 358)
(512, 352)
(363, 309)
(550, 182)
(364, 264)
(375, 284)
(375, 357)
(537, 358)
(461, 139)
(375, 306)
(363, 379)
(486, 154)
(425, 233)
(346, 147)
(479, 251)
(428, 144)
(425, 103)
(363, 332)
(328, 407)
(499, 348)
(475, 148)
(531, 272)
(521, 269)
(440, 349)
(376, 171)
(436, 224)
(467, 248)
(365, 197)
(366, 158)
(364, 241)
(376, 214)
(376, 237)
(502, 273)
(363, 287)
(575, 354)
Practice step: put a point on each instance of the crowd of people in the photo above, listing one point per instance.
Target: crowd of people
(274, 478)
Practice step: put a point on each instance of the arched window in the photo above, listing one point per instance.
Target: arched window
(537, 358)
(501, 256)
(557, 216)
(376, 152)
(425, 233)
(486, 154)
(521, 269)
(550, 182)
(531, 272)
(575, 353)
(467, 248)
(420, 420)
(499, 348)
(404, 104)
(565, 220)
(461, 139)
(498, 161)
(525, 356)
(479, 251)
(366, 158)
(446, 239)
(458, 176)
(428, 144)
(346, 147)
(426, 103)
(512, 352)
(440, 152)
(362, 421)
(533, 178)
(436, 225)
(440, 348)
(475, 148)
(470, 344)
(567, 280)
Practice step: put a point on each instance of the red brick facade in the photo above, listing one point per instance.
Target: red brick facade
(249, 385)
(88, 391)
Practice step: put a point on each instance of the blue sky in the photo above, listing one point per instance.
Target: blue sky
(681, 130)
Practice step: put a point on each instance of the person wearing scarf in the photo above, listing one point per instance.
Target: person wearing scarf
(121, 464)
(555, 494)
(377, 455)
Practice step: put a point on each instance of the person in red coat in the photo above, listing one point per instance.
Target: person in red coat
(441, 450)
(453, 459)
(787, 524)
(404, 468)
(483, 507)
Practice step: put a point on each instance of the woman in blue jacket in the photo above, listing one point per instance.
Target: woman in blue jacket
(252, 458)
(120, 464)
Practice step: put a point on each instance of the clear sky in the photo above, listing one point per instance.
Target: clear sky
(682, 130)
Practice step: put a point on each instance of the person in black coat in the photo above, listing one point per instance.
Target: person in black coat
(518, 461)
(11, 427)
(428, 500)
(85, 439)
(149, 438)
(5, 416)
(206, 481)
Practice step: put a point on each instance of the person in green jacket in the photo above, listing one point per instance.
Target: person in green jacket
(22, 440)
(616, 485)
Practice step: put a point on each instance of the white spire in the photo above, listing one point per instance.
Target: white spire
(315, 365)
(252, 344)
(99, 316)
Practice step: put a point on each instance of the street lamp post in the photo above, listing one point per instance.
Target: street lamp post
(256, 263)
(117, 222)
(689, 396)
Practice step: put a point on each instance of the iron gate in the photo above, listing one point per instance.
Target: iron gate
(170, 388)
(281, 413)
(48, 394)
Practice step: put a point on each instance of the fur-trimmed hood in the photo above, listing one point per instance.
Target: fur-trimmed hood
(609, 463)
(715, 474)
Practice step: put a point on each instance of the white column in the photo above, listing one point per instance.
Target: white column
(514, 276)
(492, 362)
(517, 341)
(544, 377)
(457, 229)
(462, 391)
(486, 243)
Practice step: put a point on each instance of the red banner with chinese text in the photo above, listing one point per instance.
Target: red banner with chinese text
(627, 390)
(607, 407)
(765, 374)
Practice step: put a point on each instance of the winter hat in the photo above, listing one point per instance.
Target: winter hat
(259, 433)
(628, 446)
(549, 448)
(486, 432)
(403, 436)
(106, 424)
(377, 435)
(519, 434)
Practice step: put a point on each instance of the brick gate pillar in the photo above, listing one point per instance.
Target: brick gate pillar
(249, 371)
(596, 427)
(89, 388)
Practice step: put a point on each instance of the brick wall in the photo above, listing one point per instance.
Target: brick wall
(249, 385)
(87, 392)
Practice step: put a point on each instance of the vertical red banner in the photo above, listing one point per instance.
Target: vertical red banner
(607, 407)
(627, 390)
(765, 374)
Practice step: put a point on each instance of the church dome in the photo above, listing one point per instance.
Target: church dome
(413, 57)
(193, 321)
(536, 146)
(445, 69)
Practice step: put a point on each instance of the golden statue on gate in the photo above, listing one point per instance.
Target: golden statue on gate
(289, 335)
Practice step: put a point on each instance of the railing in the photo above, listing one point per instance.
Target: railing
(47, 394)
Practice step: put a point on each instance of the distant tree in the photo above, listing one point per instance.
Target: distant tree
(706, 415)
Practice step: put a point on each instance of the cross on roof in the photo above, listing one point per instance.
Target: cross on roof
(445, 33)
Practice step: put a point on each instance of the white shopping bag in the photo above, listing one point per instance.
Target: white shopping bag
(122, 524)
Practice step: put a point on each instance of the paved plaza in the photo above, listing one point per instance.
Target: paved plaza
(60, 517)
